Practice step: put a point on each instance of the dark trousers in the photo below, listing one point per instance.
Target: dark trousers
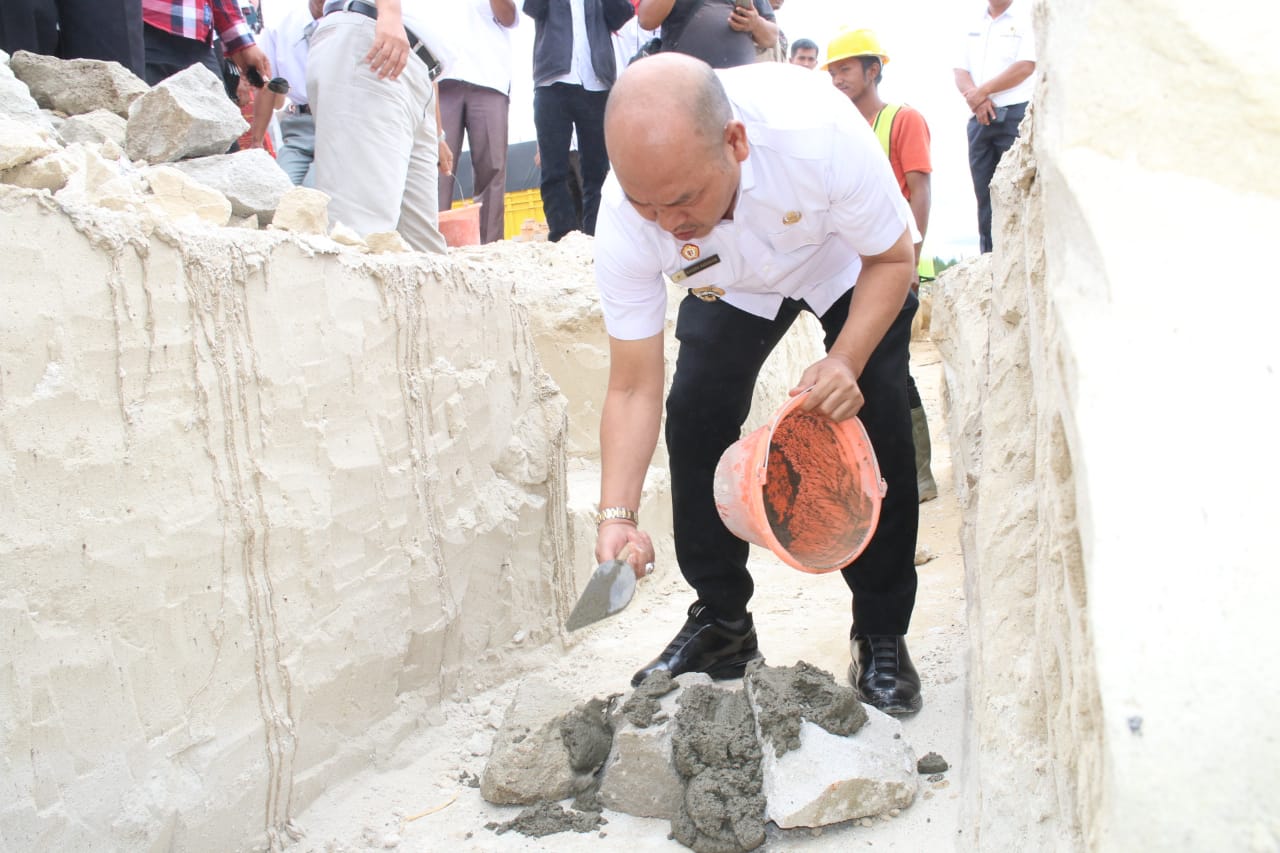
(75, 29)
(482, 113)
(168, 54)
(987, 144)
(721, 352)
(558, 110)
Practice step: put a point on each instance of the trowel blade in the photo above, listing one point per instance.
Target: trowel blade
(608, 591)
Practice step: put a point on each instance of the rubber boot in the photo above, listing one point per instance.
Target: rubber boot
(920, 435)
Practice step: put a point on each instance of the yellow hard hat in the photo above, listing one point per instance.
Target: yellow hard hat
(850, 43)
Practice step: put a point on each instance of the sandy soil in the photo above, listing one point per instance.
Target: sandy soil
(798, 617)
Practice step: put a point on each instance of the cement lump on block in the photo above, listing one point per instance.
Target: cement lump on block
(529, 762)
(782, 697)
(95, 126)
(251, 180)
(75, 86)
(21, 142)
(833, 778)
(587, 734)
(186, 115)
(716, 753)
(302, 210)
(643, 705)
(639, 777)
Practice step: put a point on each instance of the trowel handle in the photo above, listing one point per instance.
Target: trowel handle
(624, 553)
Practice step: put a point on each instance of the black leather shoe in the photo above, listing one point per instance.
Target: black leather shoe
(883, 674)
(704, 644)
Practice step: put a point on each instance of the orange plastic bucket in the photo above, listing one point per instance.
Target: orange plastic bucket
(461, 225)
(803, 486)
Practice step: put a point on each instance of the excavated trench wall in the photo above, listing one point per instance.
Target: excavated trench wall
(1110, 408)
(267, 501)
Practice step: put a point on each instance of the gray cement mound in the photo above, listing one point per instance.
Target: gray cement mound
(547, 819)
(716, 753)
(783, 696)
(588, 734)
(642, 706)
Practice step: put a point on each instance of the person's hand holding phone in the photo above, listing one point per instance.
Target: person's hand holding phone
(744, 16)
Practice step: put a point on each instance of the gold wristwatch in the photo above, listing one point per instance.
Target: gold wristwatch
(610, 513)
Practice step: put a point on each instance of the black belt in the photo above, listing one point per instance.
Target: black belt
(369, 10)
(299, 109)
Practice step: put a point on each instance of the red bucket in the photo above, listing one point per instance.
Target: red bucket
(461, 225)
(803, 486)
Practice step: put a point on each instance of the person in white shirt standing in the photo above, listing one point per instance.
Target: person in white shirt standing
(371, 81)
(995, 75)
(765, 192)
(475, 97)
(284, 41)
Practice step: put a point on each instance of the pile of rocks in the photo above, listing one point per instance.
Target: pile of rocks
(92, 134)
(792, 747)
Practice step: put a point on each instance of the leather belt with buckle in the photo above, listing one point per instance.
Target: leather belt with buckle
(369, 10)
(298, 109)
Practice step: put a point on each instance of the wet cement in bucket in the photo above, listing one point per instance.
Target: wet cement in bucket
(813, 499)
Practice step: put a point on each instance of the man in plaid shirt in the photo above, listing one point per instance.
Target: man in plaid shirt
(179, 33)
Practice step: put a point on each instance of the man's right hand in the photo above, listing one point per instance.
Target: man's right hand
(390, 51)
(613, 536)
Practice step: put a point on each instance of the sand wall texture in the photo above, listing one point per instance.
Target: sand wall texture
(1108, 404)
(264, 501)
(262, 506)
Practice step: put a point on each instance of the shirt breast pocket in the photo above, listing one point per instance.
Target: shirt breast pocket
(805, 232)
(1005, 48)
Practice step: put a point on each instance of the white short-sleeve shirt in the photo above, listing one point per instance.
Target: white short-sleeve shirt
(996, 43)
(285, 44)
(485, 57)
(815, 193)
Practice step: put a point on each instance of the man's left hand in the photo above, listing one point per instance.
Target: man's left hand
(252, 57)
(835, 392)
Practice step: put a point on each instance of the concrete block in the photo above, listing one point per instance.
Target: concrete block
(303, 211)
(251, 180)
(834, 778)
(177, 194)
(639, 778)
(21, 142)
(97, 126)
(529, 761)
(187, 115)
(75, 86)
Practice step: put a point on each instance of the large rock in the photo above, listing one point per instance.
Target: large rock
(15, 97)
(186, 115)
(251, 179)
(639, 778)
(75, 86)
(22, 142)
(833, 778)
(177, 195)
(529, 761)
(50, 172)
(96, 126)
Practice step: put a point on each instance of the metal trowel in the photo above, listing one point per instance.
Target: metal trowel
(608, 591)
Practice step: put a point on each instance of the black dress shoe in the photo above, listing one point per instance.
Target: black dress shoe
(707, 645)
(883, 674)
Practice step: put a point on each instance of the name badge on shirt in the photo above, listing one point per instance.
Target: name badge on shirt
(694, 269)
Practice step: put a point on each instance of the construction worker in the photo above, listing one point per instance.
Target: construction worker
(856, 62)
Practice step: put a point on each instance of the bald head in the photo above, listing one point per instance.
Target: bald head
(665, 98)
(674, 145)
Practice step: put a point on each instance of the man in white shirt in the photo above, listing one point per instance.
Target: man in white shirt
(475, 98)
(995, 76)
(765, 192)
(371, 81)
(284, 41)
(573, 68)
